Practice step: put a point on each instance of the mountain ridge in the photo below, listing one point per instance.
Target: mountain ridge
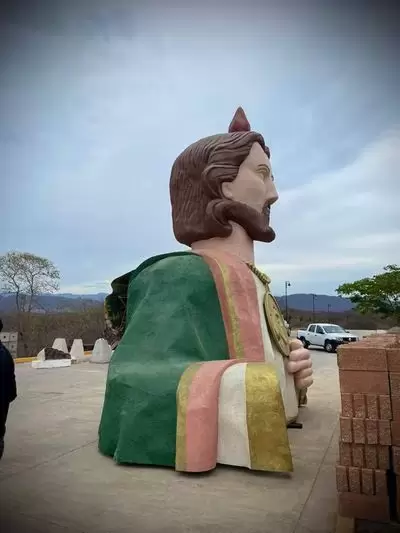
(63, 302)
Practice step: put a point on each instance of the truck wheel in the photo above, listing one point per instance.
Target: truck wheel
(329, 346)
(305, 343)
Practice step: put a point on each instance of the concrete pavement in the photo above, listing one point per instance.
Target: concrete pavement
(52, 479)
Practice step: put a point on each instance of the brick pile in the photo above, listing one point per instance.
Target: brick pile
(368, 472)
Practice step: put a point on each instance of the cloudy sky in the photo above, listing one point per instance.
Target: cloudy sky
(98, 98)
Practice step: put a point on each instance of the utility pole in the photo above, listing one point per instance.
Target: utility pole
(313, 306)
(329, 309)
(287, 284)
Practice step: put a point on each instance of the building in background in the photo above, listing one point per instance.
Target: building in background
(10, 341)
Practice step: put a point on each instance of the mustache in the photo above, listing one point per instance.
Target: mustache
(255, 223)
(266, 211)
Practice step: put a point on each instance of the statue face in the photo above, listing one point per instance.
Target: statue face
(254, 185)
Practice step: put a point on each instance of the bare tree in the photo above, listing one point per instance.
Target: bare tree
(27, 276)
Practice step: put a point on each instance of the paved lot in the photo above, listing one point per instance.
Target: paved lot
(52, 479)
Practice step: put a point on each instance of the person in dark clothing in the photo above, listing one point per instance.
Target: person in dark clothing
(8, 388)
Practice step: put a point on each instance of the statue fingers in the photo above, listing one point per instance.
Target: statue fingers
(305, 383)
(304, 379)
(299, 354)
(295, 344)
(304, 373)
(298, 366)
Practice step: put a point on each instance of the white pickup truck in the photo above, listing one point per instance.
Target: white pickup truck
(328, 336)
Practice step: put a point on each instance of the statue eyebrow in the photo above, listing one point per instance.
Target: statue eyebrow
(264, 167)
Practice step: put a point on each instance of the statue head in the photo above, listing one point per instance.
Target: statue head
(222, 179)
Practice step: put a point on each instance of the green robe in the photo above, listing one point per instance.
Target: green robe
(171, 315)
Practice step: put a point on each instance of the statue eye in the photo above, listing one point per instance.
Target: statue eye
(267, 174)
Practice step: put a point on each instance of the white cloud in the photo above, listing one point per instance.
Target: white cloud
(337, 227)
(114, 97)
(341, 223)
(92, 287)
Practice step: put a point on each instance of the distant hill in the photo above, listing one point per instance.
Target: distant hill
(304, 302)
(99, 297)
(74, 302)
(53, 303)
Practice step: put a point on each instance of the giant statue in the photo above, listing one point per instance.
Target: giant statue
(204, 371)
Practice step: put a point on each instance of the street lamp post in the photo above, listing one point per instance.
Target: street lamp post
(313, 306)
(287, 284)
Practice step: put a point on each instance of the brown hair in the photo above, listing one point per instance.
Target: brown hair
(199, 209)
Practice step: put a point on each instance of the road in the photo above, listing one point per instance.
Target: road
(52, 479)
(322, 359)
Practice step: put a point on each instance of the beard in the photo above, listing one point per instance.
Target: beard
(255, 224)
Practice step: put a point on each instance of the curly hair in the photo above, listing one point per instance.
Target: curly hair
(199, 209)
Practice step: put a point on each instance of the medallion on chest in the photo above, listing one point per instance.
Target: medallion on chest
(275, 321)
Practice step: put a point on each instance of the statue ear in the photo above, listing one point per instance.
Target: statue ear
(226, 189)
(239, 122)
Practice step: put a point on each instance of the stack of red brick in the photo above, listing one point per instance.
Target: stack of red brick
(369, 463)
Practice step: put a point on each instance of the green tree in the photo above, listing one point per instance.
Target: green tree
(27, 276)
(379, 294)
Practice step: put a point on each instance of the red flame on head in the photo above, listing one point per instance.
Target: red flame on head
(239, 122)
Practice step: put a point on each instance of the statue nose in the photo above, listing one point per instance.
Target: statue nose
(273, 196)
(273, 193)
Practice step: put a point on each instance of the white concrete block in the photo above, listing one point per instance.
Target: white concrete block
(101, 352)
(77, 352)
(41, 355)
(51, 363)
(60, 344)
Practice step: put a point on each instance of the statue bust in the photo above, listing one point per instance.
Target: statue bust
(204, 371)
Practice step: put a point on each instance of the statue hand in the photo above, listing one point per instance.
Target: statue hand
(300, 365)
